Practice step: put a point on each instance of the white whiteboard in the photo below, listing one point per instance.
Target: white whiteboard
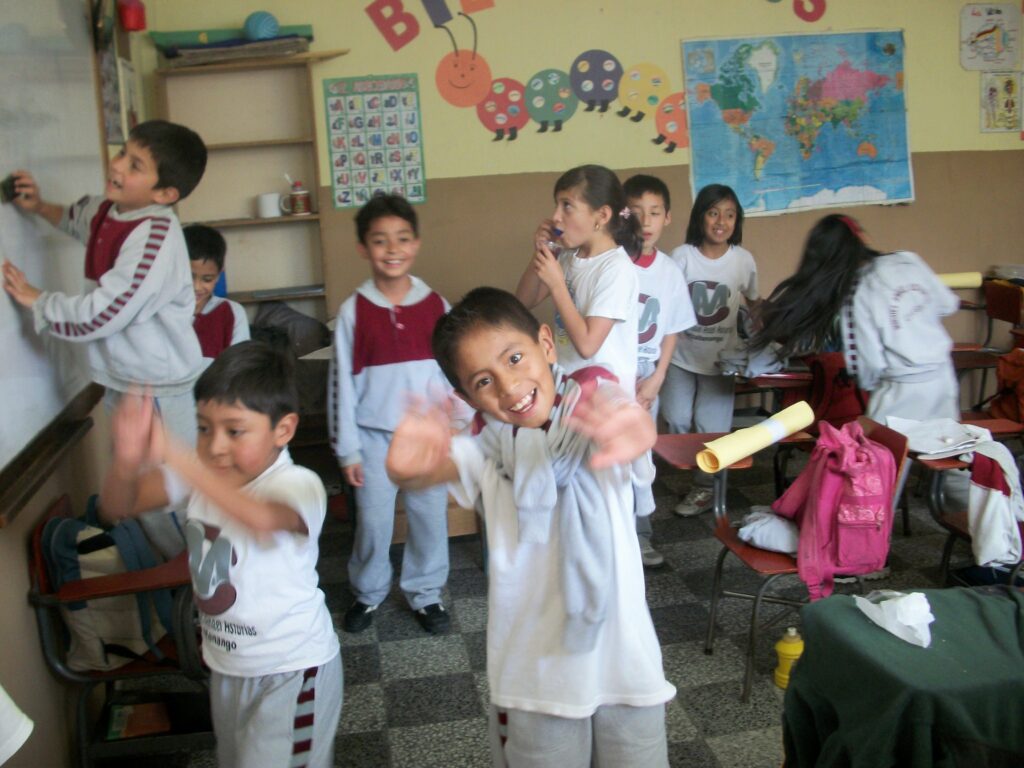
(49, 125)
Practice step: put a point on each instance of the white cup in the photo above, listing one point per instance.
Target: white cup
(268, 205)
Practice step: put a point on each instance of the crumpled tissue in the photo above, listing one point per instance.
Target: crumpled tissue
(907, 616)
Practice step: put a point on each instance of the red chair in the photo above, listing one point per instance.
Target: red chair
(179, 647)
(770, 566)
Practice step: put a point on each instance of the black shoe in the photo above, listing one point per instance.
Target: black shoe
(433, 618)
(358, 617)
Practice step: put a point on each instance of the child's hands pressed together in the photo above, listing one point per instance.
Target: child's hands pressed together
(138, 434)
(420, 444)
(620, 428)
(17, 286)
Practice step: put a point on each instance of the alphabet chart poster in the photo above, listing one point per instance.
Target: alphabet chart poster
(375, 135)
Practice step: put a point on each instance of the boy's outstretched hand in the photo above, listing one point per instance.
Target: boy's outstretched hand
(15, 284)
(418, 454)
(621, 429)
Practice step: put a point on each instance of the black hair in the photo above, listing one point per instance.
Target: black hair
(489, 307)
(205, 244)
(381, 205)
(179, 153)
(254, 374)
(801, 312)
(708, 198)
(599, 186)
(642, 183)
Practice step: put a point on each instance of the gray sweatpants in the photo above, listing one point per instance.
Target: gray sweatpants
(275, 721)
(425, 559)
(615, 736)
(695, 402)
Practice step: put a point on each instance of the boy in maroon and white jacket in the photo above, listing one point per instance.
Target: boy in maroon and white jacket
(218, 322)
(382, 355)
(137, 320)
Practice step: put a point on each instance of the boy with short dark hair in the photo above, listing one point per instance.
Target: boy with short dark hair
(253, 521)
(665, 311)
(573, 662)
(218, 322)
(381, 354)
(137, 321)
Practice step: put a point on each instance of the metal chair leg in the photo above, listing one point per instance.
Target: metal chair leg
(755, 614)
(82, 730)
(947, 554)
(716, 594)
(780, 462)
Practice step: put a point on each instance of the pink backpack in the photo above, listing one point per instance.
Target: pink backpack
(842, 503)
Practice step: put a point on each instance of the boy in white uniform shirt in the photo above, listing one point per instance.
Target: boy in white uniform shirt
(665, 311)
(573, 662)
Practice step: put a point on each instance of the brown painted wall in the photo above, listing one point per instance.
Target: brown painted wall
(969, 214)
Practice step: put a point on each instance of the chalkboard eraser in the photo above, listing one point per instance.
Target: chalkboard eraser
(7, 192)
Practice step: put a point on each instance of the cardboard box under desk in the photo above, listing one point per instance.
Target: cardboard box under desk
(461, 522)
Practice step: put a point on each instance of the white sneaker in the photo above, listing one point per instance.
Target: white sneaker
(696, 502)
(650, 557)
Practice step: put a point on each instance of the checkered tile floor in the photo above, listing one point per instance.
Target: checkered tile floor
(418, 701)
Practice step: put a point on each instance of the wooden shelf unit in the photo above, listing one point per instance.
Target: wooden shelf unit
(258, 120)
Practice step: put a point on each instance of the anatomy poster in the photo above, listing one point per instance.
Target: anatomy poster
(1000, 101)
(375, 137)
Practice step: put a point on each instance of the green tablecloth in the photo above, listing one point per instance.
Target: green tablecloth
(861, 697)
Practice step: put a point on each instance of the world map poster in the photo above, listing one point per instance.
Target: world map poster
(797, 122)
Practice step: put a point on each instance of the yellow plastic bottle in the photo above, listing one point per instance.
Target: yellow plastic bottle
(789, 648)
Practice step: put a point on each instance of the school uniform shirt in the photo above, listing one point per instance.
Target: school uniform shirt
(665, 305)
(604, 285)
(529, 666)
(382, 355)
(220, 324)
(716, 287)
(137, 321)
(892, 329)
(260, 609)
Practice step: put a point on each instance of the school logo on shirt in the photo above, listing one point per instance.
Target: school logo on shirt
(650, 308)
(710, 301)
(210, 557)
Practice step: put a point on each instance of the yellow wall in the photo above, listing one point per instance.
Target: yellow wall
(520, 37)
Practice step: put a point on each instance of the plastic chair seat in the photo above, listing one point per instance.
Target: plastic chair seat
(763, 561)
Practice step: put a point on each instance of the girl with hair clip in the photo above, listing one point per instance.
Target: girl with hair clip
(697, 395)
(890, 308)
(583, 260)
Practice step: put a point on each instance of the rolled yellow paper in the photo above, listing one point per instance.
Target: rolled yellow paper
(961, 279)
(729, 449)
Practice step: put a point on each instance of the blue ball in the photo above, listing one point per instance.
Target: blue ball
(261, 25)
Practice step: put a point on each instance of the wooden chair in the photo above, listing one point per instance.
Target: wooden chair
(770, 566)
(179, 647)
(1004, 301)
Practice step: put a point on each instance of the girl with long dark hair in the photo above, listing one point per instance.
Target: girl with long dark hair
(889, 308)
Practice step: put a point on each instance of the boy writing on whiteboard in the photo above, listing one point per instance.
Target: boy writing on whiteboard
(137, 319)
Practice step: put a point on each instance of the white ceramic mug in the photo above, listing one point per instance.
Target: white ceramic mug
(268, 205)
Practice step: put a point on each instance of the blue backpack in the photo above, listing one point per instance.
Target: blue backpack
(110, 632)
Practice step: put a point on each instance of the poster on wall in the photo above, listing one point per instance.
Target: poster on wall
(797, 122)
(375, 136)
(1000, 102)
(989, 36)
